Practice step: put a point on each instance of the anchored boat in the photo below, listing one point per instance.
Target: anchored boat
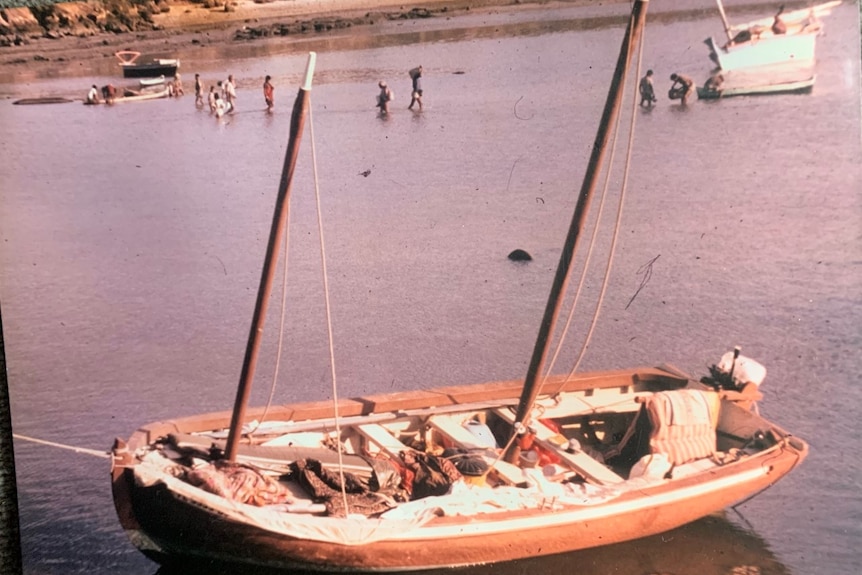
(786, 37)
(153, 69)
(457, 475)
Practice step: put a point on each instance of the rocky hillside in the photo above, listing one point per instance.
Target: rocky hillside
(20, 25)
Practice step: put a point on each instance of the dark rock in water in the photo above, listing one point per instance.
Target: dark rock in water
(520, 256)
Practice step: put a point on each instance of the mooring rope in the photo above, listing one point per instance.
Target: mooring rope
(84, 450)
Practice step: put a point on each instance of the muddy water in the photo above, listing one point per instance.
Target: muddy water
(132, 239)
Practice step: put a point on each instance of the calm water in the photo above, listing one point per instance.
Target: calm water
(131, 240)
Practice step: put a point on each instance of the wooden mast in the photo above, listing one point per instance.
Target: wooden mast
(724, 20)
(279, 221)
(570, 247)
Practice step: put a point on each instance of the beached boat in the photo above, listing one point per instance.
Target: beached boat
(153, 69)
(457, 475)
(754, 43)
(130, 95)
(42, 100)
(728, 89)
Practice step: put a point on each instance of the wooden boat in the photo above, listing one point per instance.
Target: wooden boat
(130, 95)
(457, 475)
(726, 90)
(42, 100)
(157, 67)
(755, 44)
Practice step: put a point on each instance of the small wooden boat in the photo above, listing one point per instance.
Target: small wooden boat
(754, 43)
(157, 67)
(456, 475)
(43, 100)
(725, 90)
(147, 82)
(130, 95)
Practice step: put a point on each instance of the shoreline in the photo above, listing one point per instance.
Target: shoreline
(182, 27)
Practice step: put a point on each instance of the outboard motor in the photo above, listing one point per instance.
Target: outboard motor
(735, 371)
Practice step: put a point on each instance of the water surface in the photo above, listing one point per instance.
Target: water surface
(132, 239)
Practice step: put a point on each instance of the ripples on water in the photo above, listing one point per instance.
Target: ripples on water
(132, 239)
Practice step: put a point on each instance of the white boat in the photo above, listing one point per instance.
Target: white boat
(130, 95)
(731, 88)
(146, 82)
(128, 61)
(452, 476)
(754, 44)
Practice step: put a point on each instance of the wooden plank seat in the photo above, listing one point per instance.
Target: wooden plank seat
(450, 427)
(579, 461)
(269, 457)
(381, 437)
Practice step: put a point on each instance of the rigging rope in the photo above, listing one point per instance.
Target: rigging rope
(328, 310)
(103, 454)
(280, 329)
(589, 255)
(612, 249)
(618, 223)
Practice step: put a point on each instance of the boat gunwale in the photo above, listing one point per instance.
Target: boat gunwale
(390, 405)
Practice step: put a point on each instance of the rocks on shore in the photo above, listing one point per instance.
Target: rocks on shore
(326, 24)
(20, 25)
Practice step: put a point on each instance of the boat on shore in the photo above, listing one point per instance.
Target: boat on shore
(456, 475)
(756, 44)
(42, 100)
(130, 95)
(776, 79)
(153, 69)
(803, 86)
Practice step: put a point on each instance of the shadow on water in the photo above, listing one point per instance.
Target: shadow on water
(711, 546)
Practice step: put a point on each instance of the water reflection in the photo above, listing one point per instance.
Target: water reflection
(714, 545)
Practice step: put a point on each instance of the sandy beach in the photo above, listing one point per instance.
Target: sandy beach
(186, 22)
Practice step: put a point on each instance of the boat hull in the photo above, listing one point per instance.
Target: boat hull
(168, 529)
(166, 525)
(798, 87)
(790, 48)
(149, 70)
(137, 97)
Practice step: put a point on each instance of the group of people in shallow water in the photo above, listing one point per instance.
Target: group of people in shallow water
(386, 94)
(221, 98)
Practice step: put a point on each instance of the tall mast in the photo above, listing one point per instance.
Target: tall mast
(279, 222)
(561, 279)
(724, 19)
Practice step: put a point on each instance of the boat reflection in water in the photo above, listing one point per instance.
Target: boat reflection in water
(714, 545)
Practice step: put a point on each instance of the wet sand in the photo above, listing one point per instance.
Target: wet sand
(190, 25)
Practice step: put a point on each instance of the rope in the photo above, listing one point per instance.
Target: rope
(328, 310)
(589, 255)
(615, 236)
(103, 454)
(618, 223)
